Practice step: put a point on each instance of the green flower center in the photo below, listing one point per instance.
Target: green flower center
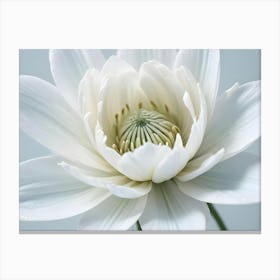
(136, 128)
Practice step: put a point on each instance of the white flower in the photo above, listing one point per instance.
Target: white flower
(142, 136)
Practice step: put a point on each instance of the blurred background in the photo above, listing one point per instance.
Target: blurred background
(236, 66)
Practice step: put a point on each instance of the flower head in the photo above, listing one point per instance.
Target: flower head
(141, 136)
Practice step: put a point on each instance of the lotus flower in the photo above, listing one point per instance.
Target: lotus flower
(142, 137)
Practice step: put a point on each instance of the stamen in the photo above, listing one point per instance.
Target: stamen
(126, 145)
(138, 142)
(153, 103)
(136, 128)
(175, 129)
(114, 146)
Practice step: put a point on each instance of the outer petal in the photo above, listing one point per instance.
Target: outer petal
(137, 57)
(116, 183)
(234, 181)
(69, 66)
(113, 214)
(200, 165)
(205, 66)
(45, 116)
(236, 120)
(47, 192)
(168, 209)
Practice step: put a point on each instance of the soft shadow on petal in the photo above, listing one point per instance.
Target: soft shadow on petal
(89, 89)
(47, 192)
(236, 121)
(90, 124)
(191, 86)
(172, 163)
(113, 214)
(205, 66)
(46, 117)
(116, 183)
(168, 96)
(140, 164)
(120, 95)
(169, 209)
(197, 129)
(200, 165)
(161, 86)
(137, 57)
(234, 181)
(115, 66)
(69, 66)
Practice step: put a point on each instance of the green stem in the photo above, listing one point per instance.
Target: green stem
(216, 216)
(138, 226)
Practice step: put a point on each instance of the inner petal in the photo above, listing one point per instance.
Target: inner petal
(136, 128)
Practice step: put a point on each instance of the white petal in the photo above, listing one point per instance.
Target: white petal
(137, 57)
(236, 121)
(172, 163)
(234, 181)
(190, 106)
(89, 89)
(116, 66)
(138, 165)
(169, 209)
(191, 86)
(113, 214)
(197, 130)
(160, 84)
(148, 162)
(47, 192)
(205, 66)
(45, 116)
(116, 183)
(90, 124)
(200, 165)
(69, 66)
(109, 154)
(118, 92)
(163, 89)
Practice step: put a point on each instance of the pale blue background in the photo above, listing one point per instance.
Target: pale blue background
(236, 65)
